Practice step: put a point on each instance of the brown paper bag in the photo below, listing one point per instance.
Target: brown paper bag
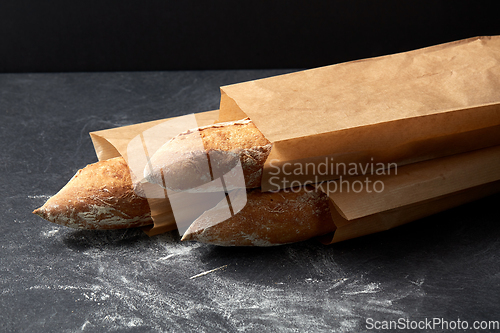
(415, 191)
(410, 192)
(393, 110)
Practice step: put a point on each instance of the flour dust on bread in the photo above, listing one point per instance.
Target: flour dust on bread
(268, 218)
(100, 196)
(184, 164)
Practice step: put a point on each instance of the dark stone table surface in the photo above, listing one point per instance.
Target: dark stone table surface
(55, 279)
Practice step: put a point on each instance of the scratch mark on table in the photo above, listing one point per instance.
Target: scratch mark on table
(207, 272)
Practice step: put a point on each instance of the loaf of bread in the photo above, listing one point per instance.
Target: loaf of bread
(100, 196)
(103, 195)
(198, 156)
(270, 218)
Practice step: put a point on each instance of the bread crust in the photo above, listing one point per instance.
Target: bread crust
(99, 196)
(268, 218)
(181, 164)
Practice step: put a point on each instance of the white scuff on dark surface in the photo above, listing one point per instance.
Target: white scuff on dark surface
(55, 279)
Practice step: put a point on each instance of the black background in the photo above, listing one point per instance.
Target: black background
(58, 35)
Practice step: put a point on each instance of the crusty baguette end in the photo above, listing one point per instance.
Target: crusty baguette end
(99, 196)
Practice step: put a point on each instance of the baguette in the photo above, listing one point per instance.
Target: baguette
(181, 164)
(269, 218)
(100, 196)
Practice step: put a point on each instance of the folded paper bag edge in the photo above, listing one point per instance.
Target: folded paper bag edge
(375, 223)
(455, 186)
(414, 183)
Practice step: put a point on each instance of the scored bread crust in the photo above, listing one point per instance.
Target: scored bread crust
(267, 219)
(181, 164)
(100, 196)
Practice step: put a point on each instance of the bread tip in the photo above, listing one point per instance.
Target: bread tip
(188, 235)
(40, 212)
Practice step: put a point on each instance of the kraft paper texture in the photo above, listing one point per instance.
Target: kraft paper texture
(416, 191)
(401, 108)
